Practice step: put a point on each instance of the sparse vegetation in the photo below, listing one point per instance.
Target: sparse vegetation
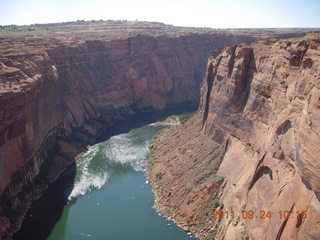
(250, 149)
(213, 235)
(216, 204)
(190, 201)
(198, 228)
(244, 233)
(21, 30)
(186, 116)
(159, 175)
(167, 212)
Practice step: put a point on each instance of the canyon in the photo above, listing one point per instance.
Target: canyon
(252, 147)
(59, 89)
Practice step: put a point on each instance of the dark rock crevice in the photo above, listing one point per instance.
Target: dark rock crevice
(243, 83)
(211, 75)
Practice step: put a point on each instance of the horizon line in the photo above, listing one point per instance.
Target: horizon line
(125, 20)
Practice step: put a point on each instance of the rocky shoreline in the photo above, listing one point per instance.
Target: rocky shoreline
(252, 146)
(186, 200)
(62, 155)
(59, 89)
(68, 89)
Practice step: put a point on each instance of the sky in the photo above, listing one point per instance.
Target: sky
(192, 13)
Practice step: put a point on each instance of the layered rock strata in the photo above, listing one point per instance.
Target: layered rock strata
(259, 108)
(52, 92)
(58, 90)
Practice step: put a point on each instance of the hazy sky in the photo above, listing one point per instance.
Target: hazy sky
(198, 13)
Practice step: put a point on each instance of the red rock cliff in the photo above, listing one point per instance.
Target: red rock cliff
(45, 92)
(260, 104)
(50, 86)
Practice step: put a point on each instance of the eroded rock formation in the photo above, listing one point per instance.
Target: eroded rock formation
(59, 89)
(260, 105)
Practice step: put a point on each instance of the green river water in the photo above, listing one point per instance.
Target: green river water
(110, 198)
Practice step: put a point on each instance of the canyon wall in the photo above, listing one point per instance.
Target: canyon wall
(257, 131)
(67, 85)
(58, 93)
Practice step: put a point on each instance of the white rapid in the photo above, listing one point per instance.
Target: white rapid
(131, 150)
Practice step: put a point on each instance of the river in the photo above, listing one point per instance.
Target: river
(108, 198)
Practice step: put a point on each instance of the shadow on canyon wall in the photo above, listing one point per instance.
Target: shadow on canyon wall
(47, 210)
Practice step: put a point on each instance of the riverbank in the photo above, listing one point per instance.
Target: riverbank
(44, 208)
(182, 171)
(265, 125)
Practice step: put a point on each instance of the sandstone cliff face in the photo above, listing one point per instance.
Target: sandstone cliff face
(260, 102)
(61, 88)
(49, 88)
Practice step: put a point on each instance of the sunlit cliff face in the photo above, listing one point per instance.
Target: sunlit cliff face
(59, 92)
(260, 103)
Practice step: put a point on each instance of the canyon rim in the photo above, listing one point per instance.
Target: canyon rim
(61, 85)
